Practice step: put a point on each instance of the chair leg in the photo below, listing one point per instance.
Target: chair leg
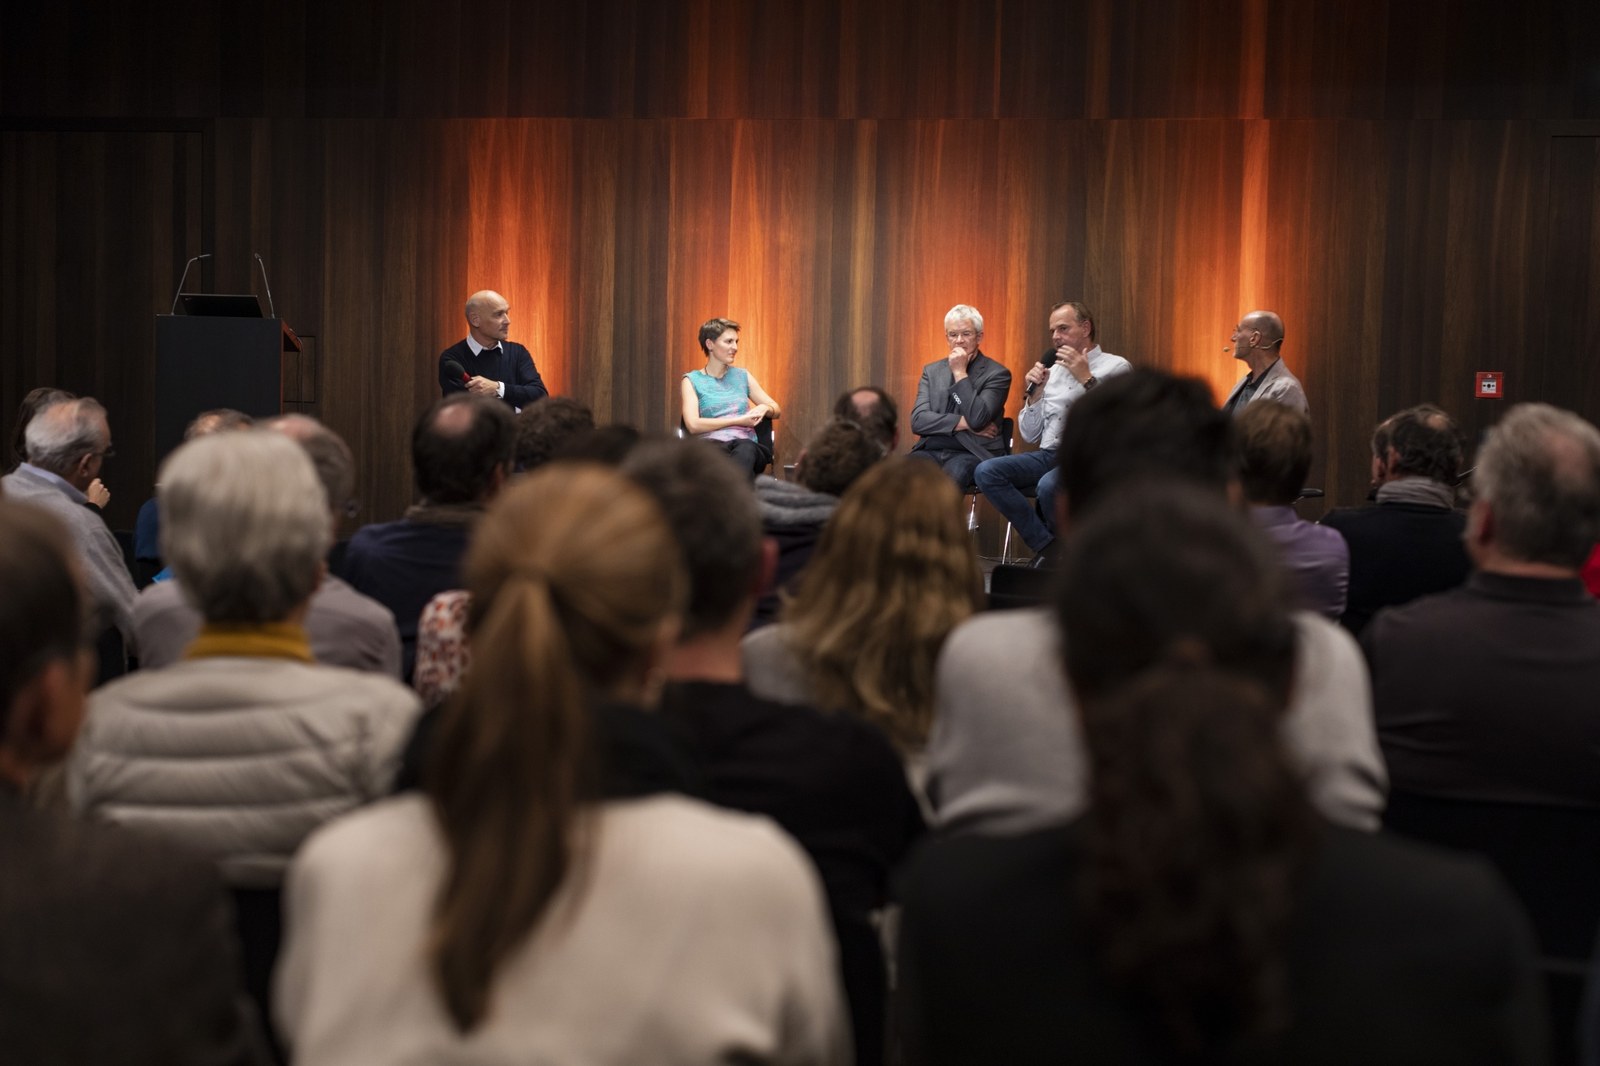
(1005, 546)
(972, 514)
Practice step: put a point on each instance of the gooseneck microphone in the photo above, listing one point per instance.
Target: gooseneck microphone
(1047, 360)
(271, 311)
(184, 278)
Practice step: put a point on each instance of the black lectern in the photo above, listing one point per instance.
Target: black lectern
(205, 361)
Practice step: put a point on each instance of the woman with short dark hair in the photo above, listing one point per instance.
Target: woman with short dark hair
(725, 403)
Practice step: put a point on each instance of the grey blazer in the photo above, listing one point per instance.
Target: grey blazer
(980, 399)
(1278, 385)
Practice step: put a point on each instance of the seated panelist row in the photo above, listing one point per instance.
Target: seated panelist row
(957, 415)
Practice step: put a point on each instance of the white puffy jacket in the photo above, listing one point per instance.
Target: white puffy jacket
(240, 758)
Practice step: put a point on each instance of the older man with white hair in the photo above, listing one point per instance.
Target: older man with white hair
(346, 628)
(960, 401)
(247, 744)
(67, 444)
(487, 363)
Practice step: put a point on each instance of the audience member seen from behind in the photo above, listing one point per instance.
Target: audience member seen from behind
(544, 431)
(553, 880)
(247, 744)
(607, 445)
(147, 528)
(831, 780)
(1199, 909)
(114, 946)
(345, 627)
(1489, 691)
(461, 453)
(1003, 757)
(1409, 544)
(895, 572)
(794, 513)
(875, 411)
(68, 443)
(545, 428)
(725, 403)
(36, 401)
(1274, 459)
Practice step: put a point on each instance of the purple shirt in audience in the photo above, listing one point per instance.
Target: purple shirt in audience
(1318, 559)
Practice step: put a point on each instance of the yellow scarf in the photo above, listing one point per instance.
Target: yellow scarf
(268, 640)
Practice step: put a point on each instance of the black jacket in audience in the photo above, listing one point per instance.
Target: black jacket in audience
(836, 785)
(1398, 551)
(1398, 954)
(114, 948)
(1491, 691)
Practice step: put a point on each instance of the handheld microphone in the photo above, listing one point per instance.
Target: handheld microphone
(1047, 360)
(453, 367)
(184, 278)
(271, 311)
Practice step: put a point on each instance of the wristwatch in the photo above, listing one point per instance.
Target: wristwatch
(1090, 383)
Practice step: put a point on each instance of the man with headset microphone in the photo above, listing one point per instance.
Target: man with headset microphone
(1074, 365)
(1258, 342)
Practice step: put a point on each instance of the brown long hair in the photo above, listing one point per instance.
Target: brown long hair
(553, 623)
(893, 574)
(1180, 650)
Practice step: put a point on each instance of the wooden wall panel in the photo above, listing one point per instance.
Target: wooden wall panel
(1571, 348)
(1387, 174)
(887, 59)
(1403, 257)
(93, 234)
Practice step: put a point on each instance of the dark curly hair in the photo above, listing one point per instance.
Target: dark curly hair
(1180, 649)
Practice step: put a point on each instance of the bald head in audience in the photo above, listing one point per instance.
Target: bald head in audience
(875, 411)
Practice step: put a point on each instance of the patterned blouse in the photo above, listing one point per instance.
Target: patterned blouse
(723, 399)
(441, 647)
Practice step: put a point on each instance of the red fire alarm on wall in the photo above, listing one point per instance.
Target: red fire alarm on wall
(1491, 385)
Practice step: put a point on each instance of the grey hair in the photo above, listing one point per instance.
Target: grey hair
(965, 312)
(244, 523)
(65, 432)
(334, 462)
(1539, 473)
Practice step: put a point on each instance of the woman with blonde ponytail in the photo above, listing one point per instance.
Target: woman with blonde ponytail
(552, 896)
(1200, 911)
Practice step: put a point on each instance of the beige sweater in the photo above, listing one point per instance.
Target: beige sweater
(700, 938)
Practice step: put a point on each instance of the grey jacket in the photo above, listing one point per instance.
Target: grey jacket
(345, 627)
(1278, 385)
(110, 586)
(980, 399)
(1006, 755)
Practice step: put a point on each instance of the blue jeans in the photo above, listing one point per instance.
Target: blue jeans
(1004, 482)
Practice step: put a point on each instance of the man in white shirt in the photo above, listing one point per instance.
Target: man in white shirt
(1079, 366)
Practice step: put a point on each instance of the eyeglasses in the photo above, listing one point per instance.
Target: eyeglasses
(109, 453)
(963, 335)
